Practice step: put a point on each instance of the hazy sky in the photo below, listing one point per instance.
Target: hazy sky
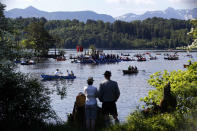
(110, 7)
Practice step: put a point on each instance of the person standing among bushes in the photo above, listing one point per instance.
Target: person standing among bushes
(108, 94)
(169, 102)
(91, 104)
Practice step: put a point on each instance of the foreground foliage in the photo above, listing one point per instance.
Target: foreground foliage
(184, 87)
(24, 102)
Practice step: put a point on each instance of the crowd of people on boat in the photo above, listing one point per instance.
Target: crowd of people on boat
(99, 56)
(132, 68)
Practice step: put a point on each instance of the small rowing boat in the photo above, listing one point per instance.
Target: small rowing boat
(30, 62)
(129, 71)
(55, 77)
(141, 59)
(61, 59)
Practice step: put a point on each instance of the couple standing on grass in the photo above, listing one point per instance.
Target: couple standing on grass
(108, 94)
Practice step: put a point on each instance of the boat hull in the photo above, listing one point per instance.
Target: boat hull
(129, 72)
(54, 77)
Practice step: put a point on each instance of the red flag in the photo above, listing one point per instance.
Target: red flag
(77, 48)
(81, 48)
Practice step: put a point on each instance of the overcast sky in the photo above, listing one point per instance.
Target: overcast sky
(110, 7)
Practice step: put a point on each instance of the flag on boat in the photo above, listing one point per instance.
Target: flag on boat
(81, 48)
(77, 48)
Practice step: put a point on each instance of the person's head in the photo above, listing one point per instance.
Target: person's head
(167, 90)
(57, 69)
(107, 75)
(90, 80)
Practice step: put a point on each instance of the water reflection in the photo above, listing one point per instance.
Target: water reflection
(59, 87)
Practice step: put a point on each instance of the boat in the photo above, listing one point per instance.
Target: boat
(153, 58)
(30, 62)
(173, 57)
(55, 77)
(165, 57)
(125, 54)
(75, 61)
(60, 58)
(17, 61)
(189, 55)
(141, 59)
(129, 71)
(147, 53)
(127, 59)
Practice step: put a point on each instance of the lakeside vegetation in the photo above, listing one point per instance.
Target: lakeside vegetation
(154, 33)
(25, 103)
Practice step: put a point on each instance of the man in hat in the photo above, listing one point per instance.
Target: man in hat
(91, 94)
(108, 95)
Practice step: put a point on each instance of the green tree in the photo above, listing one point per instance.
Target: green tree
(24, 102)
(37, 34)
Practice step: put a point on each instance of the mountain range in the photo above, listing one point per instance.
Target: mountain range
(184, 14)
(79, 15)
(30, 11)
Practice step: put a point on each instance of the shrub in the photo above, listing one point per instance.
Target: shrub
(23, 100)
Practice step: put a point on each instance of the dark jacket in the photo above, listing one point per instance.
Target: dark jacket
(109, 91)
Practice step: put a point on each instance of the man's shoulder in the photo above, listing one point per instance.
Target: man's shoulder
(103, 82)
(114, 82)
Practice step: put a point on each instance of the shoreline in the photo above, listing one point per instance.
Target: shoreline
(153, 50)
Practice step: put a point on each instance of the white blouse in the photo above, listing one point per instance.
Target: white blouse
(91, 94)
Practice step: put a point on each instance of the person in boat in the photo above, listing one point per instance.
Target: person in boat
(57, 72)
(132, 68)
(108, 94)
(129, 68)
(91, 94)
(67, 73)
(135, 68)
(71, 73)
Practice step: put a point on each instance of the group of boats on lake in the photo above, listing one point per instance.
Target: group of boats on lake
(99, 57)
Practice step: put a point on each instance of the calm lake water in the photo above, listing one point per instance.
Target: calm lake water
(132, 87)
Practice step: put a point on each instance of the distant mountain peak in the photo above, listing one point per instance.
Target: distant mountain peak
(30, 8)
(170, 8)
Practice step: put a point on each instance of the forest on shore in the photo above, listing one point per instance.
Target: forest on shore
(152, 33)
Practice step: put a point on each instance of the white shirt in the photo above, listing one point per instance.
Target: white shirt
(91, 94)
(57, 73)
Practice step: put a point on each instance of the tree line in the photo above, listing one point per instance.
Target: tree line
(152, 33)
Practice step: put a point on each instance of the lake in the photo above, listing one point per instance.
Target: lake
(132, 87)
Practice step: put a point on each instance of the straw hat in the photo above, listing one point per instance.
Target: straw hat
(90, 79)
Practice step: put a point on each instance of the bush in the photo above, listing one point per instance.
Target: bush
(23, 101)
(183, 86)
